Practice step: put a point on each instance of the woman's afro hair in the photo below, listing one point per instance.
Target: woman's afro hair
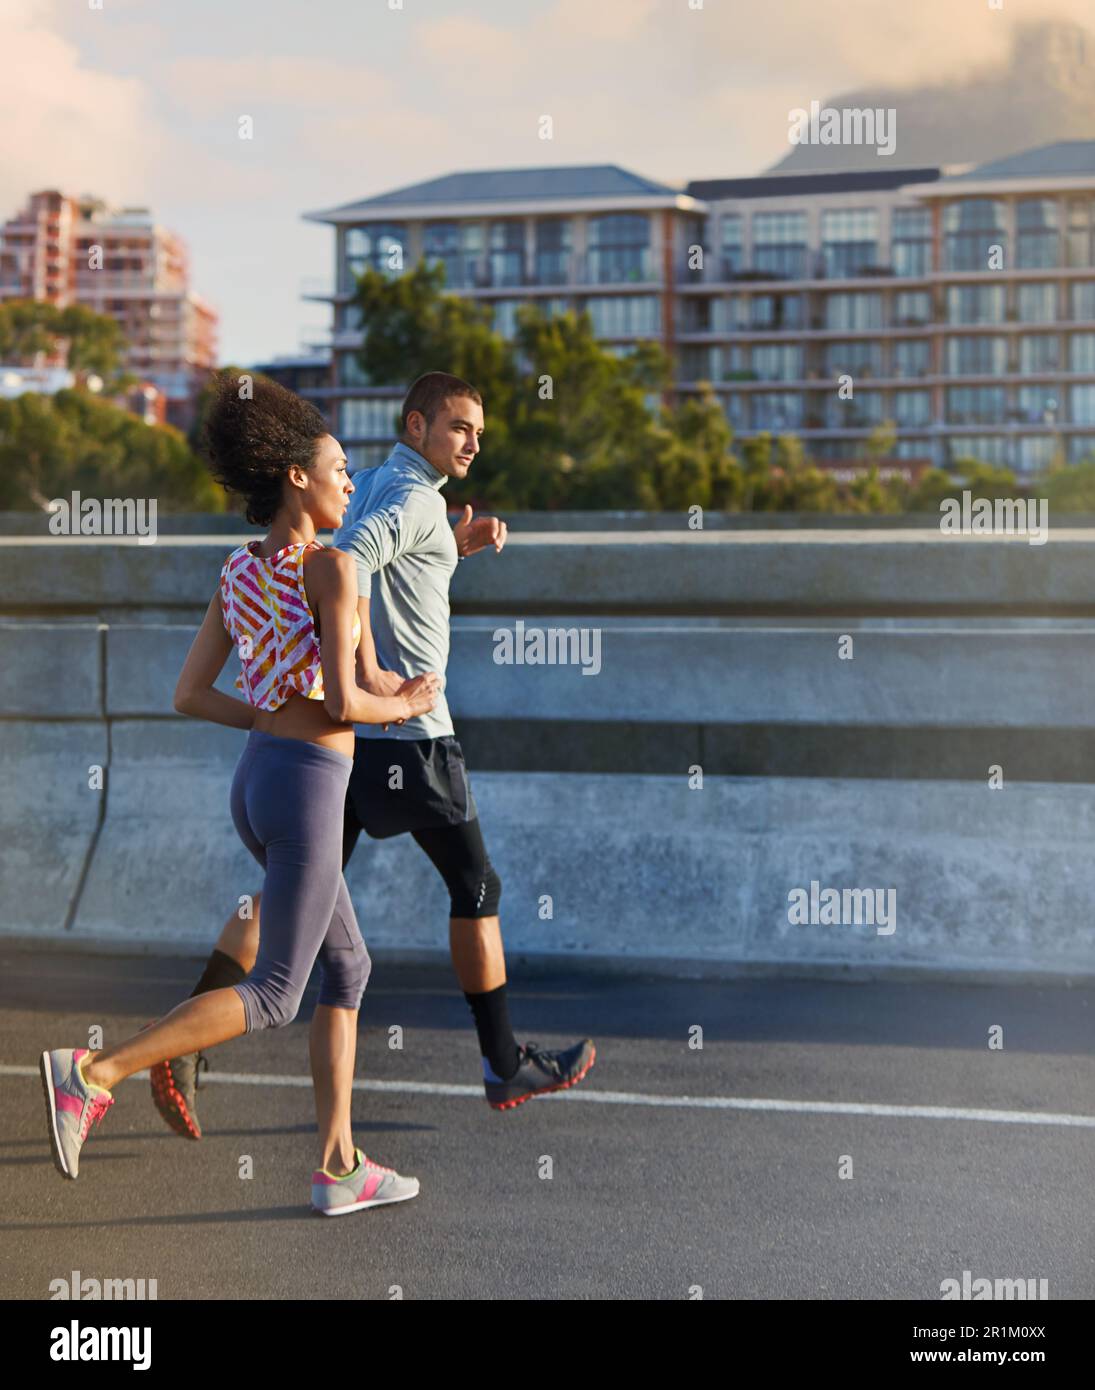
(254, 432)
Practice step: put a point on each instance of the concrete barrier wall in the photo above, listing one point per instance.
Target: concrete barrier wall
(637, 866)
(227, 523)
(874, 572)
(949, 640)
(1015, 675)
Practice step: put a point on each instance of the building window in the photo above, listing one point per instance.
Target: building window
(1036, 303)
(911, 241)
(553, 251)
(694, 233)
(733, 255)
(912, 308)
(348, 318)
(739, 310)
(625, 316)
(1081, 405)
(775, 311)
(859, 412)
(458, 246)
(975, 303)
(701, 315)
(762, 311)
(970, 229)
(777, 361)
(779, 244)
(506, 258)
(619, 248)
(1081, 448)
(734, 409)
(777, 410)
(349, 370)
(1038, 352)
(359, 456)
(984, 448)
(1036, 405)
(505, 316)
(912, 408)
(1081, 225)
(790, 312)
(911, 357)
(860, 357)
(1036, 454)
(1081, 352)
(733, 363)
(374, 418)
(980, 356)
(849, 241)
(976, 405)
(1081, 301)
(1038, 234)
(379, 247)
(853, 312)
(695, 363)
(767, 312)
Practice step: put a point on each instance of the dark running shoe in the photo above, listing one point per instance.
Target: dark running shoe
(174, 1089)
(540, 1072)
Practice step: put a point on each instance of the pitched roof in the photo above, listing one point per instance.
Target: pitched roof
(1062, 159)
(512, 185)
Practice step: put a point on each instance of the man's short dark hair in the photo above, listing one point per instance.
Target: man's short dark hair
(430, 392)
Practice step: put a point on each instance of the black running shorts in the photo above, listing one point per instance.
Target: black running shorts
(399, 785)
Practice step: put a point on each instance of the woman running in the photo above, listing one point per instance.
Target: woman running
(289, 605)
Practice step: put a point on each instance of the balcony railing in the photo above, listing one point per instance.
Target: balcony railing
(552, 268)
(100, 280)
(317, 287)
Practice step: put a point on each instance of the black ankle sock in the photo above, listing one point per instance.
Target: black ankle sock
(496, 1040)
(221, 971)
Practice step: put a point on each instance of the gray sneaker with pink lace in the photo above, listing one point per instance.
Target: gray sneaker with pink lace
(72, 1106)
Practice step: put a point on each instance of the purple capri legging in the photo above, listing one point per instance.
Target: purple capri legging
(287, 801)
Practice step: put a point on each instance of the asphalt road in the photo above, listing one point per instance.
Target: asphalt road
(644, 1200)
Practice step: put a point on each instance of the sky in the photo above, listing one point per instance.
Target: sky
(139, 102)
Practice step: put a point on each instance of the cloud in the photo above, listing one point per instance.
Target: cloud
(140, 103)
(282, 82)
(68, 126)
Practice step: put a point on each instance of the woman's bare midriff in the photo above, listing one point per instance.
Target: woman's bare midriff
(307, 720)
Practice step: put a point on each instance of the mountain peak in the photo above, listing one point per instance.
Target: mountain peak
(1040, 94)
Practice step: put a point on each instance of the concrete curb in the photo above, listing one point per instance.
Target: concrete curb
(545, 963)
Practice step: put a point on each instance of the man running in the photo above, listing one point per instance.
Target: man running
(411, 779)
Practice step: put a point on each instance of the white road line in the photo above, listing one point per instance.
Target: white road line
(792, 1107)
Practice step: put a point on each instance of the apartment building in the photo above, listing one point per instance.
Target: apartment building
(141, 279)
(596, 238)
(957, 304)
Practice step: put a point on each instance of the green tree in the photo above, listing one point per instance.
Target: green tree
(970, 475)
(90, 342)
(869, 494)
(1070, 489)
(568, 423)
(581, 434)
(53, 445)
(756, 473)
(27, 328)
(96, 344)
(706, 473)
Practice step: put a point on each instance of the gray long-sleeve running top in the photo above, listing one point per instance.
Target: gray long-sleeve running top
(397, 529)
